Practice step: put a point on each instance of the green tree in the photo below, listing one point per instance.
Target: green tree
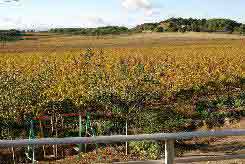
(159, 29)
(195, 27)
(228, 28)
(172, 27)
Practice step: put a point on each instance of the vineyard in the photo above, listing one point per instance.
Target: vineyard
(166, 88)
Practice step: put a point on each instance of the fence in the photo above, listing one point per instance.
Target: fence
(169, 139)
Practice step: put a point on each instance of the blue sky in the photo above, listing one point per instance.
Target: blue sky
(42, 14)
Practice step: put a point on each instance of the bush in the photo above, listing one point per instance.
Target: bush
(147, 150)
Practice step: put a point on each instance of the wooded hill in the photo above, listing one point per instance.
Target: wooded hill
(190, 24)
(169, 25)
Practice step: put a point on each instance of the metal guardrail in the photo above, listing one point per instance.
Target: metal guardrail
(169, 139)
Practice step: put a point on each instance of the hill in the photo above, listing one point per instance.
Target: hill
(169, 25)
(194, 25)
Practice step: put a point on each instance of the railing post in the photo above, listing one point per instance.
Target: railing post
(33, 155)
(169, 152)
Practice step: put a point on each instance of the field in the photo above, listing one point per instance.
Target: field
(158, 82)
(55, 42)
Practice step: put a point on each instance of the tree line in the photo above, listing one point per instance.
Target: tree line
(195, 25)
(91, 31)
(10, 35)
(169, 25)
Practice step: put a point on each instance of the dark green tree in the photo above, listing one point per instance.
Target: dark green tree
(172, 27)
(159, 29)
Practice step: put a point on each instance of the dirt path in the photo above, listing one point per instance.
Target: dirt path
(223, 146)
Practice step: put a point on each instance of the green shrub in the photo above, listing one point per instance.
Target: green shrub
(147, 150)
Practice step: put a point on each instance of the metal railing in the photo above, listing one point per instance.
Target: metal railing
(169, 139)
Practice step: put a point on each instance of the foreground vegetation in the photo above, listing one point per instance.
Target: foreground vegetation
(166, 88)
(192, 82)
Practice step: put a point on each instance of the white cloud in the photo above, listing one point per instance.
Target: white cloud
(144, 5)
(94, 21)
(137, 4)
(6, 2)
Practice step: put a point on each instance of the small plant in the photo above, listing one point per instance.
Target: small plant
(147, 150)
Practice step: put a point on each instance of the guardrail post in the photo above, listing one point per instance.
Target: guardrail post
(33, 155)
(169, 152)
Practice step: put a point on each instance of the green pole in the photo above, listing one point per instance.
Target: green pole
(88, 126)
(80, 133)
(30, 137)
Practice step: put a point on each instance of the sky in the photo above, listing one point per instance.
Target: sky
(45, 14)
